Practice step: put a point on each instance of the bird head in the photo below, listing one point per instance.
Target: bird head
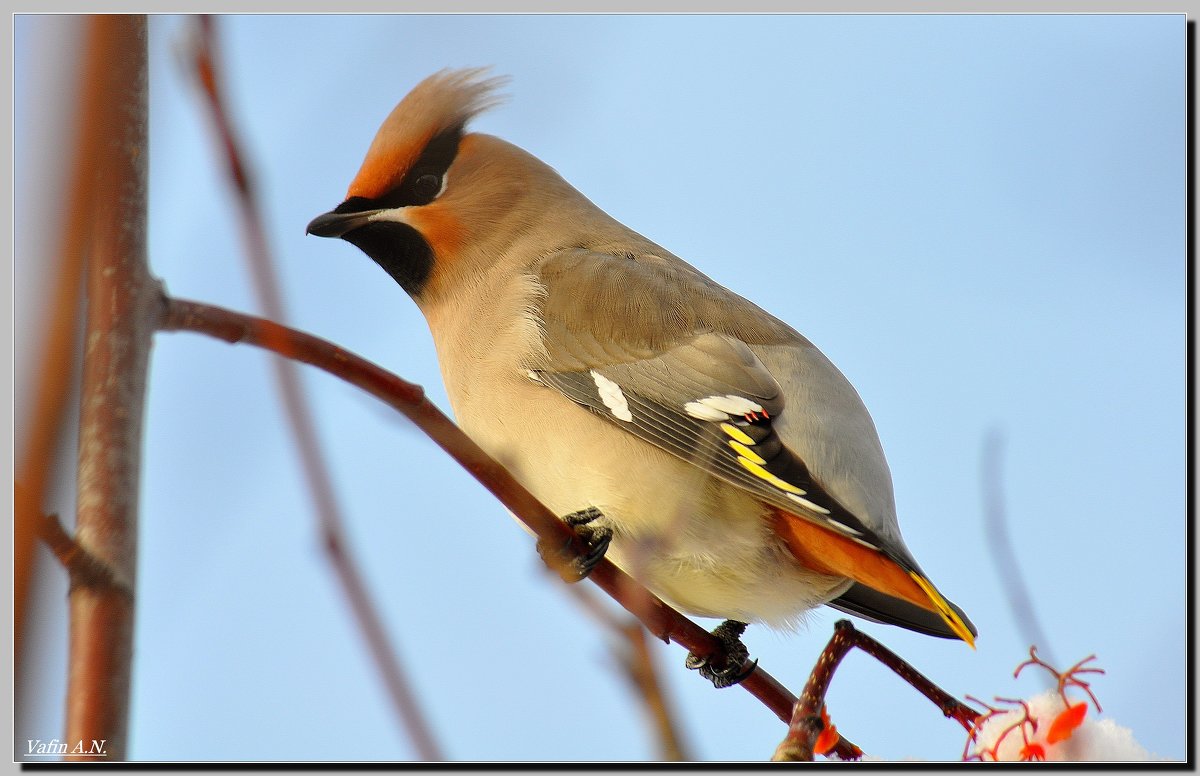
(433, 204)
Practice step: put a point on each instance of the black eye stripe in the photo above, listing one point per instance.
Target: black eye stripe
(438, 155)
(434, 161)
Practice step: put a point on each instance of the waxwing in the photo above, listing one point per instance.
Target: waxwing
(725, 462)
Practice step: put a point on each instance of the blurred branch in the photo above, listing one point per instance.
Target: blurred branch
(121, 318)
(409, 399)
(94, 97)
(999, 541)
(316, 471)
(809, 719)
(638, 664)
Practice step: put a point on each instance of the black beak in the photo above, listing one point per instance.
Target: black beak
(335, 224)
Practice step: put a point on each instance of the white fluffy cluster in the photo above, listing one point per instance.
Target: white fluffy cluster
(1094, 740)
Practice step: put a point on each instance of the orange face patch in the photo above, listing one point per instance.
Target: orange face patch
(441, 230)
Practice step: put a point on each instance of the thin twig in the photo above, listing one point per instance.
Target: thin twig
(1064, 678)
(999, 542)
(409, 399)
(122, 314)
(638, 663)
(951, 707)
(296, 406)
(806, 723)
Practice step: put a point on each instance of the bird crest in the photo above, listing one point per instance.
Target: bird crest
(441, 105)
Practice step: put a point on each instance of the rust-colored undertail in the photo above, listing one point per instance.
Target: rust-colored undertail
(826, 552)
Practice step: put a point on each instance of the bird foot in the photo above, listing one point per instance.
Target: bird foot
(597, 538)
(736, 667)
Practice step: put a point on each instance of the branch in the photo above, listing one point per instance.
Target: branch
(639, 669)
(809, 718)
(409, 399)
(999, 541)
(296, 406)
(121, 318)
(83, 568)
(61, 317)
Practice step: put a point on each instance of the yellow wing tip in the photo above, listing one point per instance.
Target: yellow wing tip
(944, 610)
(960, 629)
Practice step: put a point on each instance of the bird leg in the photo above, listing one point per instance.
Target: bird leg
(736, 667)
(597, 538)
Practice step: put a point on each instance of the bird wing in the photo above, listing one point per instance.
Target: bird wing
(658, 349)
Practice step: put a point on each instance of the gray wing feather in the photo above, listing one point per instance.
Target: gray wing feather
(653, 395)
(672, 383)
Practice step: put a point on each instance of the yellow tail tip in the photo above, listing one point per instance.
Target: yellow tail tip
(944, 610)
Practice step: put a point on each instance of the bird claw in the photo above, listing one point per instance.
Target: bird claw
(597, 538)
(737, 664)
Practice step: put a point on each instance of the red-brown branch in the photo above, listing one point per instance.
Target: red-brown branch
(122, 311)
(409, 399)
(806, 722)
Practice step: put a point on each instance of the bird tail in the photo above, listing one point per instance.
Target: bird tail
(824, 551)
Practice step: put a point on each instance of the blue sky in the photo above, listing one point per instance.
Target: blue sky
(979, 218)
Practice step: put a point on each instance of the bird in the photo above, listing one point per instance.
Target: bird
(700, 443)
